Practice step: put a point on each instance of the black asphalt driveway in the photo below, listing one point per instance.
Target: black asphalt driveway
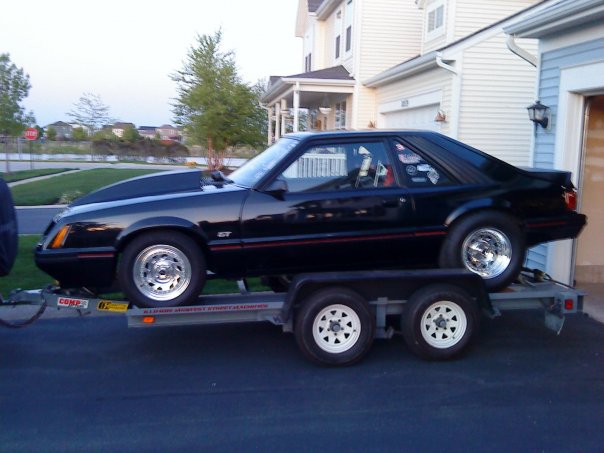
(92, 384)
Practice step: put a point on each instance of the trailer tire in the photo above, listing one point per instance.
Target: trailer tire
(439, 322)
(334, 327)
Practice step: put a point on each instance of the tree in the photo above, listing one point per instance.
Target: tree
(14, 87)
(51, 133)
(91, 112)
(130, 135)
(79, 134)
(215, 107)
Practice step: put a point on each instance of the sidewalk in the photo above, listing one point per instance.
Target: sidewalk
(41, 178)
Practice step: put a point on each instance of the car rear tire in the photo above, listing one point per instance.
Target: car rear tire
(162, 269)
(439, 322)
(335, 327)
(488, 243)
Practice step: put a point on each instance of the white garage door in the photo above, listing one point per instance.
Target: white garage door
(417, 118)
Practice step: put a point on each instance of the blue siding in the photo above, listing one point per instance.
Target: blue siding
(549, 81)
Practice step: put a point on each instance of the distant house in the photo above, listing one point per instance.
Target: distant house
(63, 130)
(118, 128)
(80, 126)
(169, 132)
(147, 131)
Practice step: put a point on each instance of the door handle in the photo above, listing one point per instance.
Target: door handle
(394, 203)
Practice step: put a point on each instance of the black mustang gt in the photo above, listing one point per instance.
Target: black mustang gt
(312, 202)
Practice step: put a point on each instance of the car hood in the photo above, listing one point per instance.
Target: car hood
(149, 185)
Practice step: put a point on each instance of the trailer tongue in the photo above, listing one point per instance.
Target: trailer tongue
(336, 316)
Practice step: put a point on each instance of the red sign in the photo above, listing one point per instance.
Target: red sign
(31, 133)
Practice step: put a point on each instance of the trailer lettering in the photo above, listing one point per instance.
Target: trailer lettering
(204, 309)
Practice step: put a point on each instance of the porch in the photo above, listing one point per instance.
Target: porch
(313, 101)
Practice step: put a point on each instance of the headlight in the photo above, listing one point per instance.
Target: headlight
(59, 239)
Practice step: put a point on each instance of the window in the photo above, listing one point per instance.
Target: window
(337, 47)
(417, 171)
(348, 38)
(340, 167)
(308, 63)
(436, 20)
(348, 25)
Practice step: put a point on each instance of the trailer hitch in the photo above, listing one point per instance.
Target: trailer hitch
(26, 322)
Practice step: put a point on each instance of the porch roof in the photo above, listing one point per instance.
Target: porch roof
(329, 80)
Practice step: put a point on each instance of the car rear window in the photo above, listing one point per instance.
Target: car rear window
(449, 149)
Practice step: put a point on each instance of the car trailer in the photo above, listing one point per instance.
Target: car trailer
(335, 316)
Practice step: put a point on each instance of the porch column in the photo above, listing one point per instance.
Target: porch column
(283, 115)
(277, 121)
(296, 105)
(269, 141)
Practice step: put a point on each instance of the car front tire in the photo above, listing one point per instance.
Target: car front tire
(162, 269)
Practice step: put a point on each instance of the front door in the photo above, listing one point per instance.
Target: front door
(343, 209)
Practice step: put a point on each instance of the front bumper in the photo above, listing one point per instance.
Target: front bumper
(75, 268)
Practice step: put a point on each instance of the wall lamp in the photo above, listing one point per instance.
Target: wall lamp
(539, 114)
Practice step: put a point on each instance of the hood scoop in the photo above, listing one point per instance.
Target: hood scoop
(149, 185)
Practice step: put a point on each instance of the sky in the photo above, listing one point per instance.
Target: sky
(125, 50)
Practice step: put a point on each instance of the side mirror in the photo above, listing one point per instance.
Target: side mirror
(277, 187)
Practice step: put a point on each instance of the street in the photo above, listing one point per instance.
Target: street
(33, 220)
(92, 384)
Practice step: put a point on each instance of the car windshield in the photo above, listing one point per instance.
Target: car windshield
(255, 169)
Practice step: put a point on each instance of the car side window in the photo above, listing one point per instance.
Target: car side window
(417, 171)
(342, 166)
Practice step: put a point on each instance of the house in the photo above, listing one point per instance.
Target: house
(570, 83)
(345, 42)
(168, 132)
(118, 129)
(149, 132)
(62, 129)
(465, 83)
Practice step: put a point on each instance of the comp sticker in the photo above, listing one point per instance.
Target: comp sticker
(70, 302)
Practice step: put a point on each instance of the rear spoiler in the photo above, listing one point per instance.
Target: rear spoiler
(556, 176)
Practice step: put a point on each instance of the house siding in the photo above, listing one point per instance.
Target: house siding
(496, 88)
(400, 21)
(429, 81)
(472, 15)
(552, 62)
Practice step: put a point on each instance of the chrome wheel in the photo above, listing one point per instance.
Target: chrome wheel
(443, 324)
(161, 272)
(487, 252)
(336, 328)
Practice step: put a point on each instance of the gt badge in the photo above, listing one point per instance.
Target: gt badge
(224, 234)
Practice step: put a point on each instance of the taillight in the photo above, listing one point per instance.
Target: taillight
(570, 199)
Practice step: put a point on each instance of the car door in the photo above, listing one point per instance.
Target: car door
(337, 206)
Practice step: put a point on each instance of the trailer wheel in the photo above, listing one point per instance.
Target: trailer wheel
(335, 327)
(439, 322)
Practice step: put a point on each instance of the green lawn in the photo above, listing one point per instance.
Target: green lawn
(26, 275)
(65, 188)
(27, 174)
